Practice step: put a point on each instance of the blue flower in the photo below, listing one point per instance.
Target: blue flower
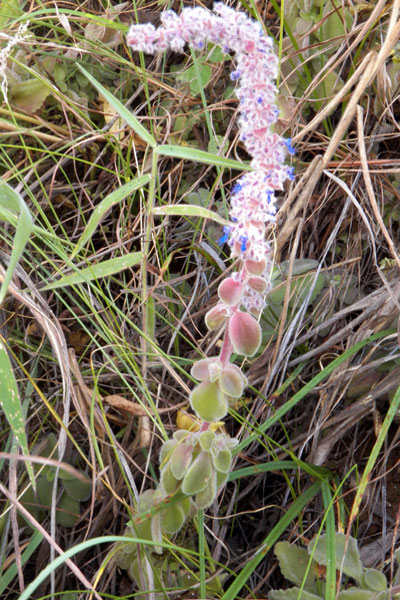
(235, 75)
(288, 143)
(243, 240)
(291, 173)
(225, 237)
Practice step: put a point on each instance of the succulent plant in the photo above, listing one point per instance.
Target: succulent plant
(302, 567)
(73, 490)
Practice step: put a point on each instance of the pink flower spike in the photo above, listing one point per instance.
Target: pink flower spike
(230, 291)
(244, 333)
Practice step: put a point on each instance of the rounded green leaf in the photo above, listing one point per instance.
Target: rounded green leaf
(180, 460)
(172, 518)
(375, 580)
(222, 461)
(68, 511)
(209, 402)
(199, 475)
(205, 498)
(168, 481)
(77, 488)
(293, 562)
(206, 439)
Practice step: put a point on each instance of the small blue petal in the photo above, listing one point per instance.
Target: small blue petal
(288, 143)
(225, 237)
(259, 100)
(243, 239)
(235, 75)
(236, 188)
(291, 173)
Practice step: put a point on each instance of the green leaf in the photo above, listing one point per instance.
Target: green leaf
(202, 157)
(188, 210)
(206, 497)
(11, 405)
(374, 580)
(120, 109)
(357, 594)
(79, 489)
(68, 511)
(11, 200)
(292, 594)
(346, 547)
(199, 475)
(105, 205)
(102, 269)
(293, 562)
(9, 9)
(30, 94)
(172, 518)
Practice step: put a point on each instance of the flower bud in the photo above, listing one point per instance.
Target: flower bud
(216, 317)
(230, 291)
(244, 333)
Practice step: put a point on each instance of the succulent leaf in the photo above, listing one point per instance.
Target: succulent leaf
(222, 461)
(230, 291)
(347, 548)
(168, 481)
(231, 381)
(293, 562)
(205, 498)
(202, 369)
(172, 518)
(181, 459)
(199, 475)
(206, 439)
(209, 402)
(244, 333)
(216, 317)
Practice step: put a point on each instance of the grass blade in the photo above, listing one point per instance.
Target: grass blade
(233, 590)
(100, 211)
(11, 200)
(7, 577)
(309, 387)
(120, 109)
(11, 405)
(102, 269)
(188, 210)
(202, 157)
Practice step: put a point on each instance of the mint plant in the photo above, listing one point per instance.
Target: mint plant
(196, 464)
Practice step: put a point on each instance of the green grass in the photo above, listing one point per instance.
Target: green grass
(116, 170)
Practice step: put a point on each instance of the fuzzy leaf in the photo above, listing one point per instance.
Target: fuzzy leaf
(205, 498)
(375, 580)
(199, 475)
(222, 461)
(68, 511)
(168, 481)
(293, 562)
(180, 460)
(357, 594)
(352, 566)
(172, 518)
(244, 333)
(215, 317)
(206, 369)
(209, 402)
(230, 291)
(231, 381)
(292, 594)
(79, 489)
(156, 532)
(30, 94)
(166, 452)
(206, 439)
